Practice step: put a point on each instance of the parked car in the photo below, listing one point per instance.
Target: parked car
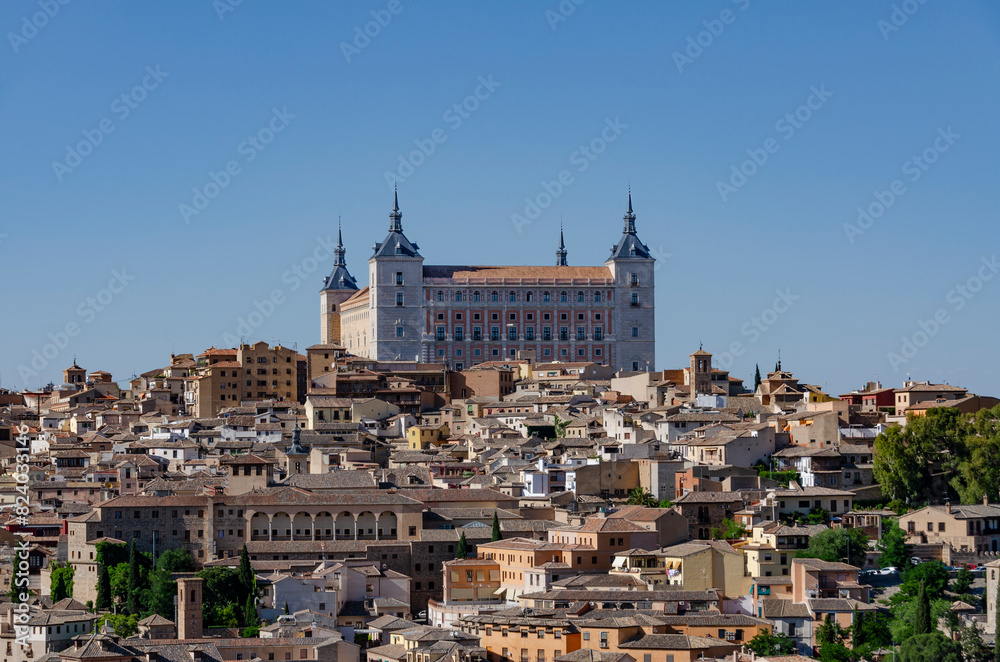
(890, 570)
(917, 561)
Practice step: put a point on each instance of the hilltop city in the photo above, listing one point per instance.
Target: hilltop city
(484, 464)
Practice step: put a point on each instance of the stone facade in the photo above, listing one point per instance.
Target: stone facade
(466, 315)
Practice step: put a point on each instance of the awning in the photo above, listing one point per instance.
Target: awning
(500, 591)
(618, 562)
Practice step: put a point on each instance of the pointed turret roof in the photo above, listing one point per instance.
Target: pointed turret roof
(629, 246)
(340, 278)
(396, 244)
(561, 252)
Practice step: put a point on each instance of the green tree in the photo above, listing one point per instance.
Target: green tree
(286, 606)
(177, 560)
(221, 616)
(250, 632)
(830, 638)
(496, 528)
(104, 597)
(756, 384)
(845, 545)
(973, 649)
(119, 583)
(640, 496)
(134, 585)
(62, 582)
(162, 590)
(463, 547)
(922, 612)
(901, 623)
(766, 644)
(963, 581)
(932, 647)
(892, 547)
(125, 625)
(904, 456)
(247, 576)
(560, 426)
(978, 458)
(665, 503)
(729, 530)
(221, 589)
(932, 576)
(250, 611)
(869, 633)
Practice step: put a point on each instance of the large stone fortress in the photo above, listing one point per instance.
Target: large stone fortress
(465, 315)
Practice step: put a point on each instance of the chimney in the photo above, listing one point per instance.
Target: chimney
(947, 507)
(986, 500)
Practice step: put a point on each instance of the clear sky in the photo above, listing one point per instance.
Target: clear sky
(115, 113)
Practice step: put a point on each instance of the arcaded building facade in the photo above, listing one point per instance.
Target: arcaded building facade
(466, 315)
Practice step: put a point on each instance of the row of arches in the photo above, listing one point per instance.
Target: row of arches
(365, 525)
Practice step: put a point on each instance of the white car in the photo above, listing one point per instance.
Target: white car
(890, 570)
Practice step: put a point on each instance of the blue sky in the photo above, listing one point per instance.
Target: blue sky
(339, 112)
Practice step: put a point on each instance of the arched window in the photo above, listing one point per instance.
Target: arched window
(597, 297)
(529, 297)
(512, 297)
(494, 296)
(579, 297)
(475, 296)
(562, 296)
(440, 295)
(545, 296)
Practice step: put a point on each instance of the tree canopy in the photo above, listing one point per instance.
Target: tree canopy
(844, 545)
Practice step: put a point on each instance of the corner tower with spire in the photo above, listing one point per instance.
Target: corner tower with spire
(633, 317)
(561, 252)
(396, 284)
(337, 288)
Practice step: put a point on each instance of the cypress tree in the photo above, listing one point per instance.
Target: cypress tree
(756, 379)
(286, 606)
(496, 528)
(250, 612)
(922, 613)
(133, 579)
(247, 578)
(463, 548)
(103, 601)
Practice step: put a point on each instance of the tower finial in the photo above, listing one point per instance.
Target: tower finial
(561, 252)
(629, 215)
(339, 252)
(395, 216)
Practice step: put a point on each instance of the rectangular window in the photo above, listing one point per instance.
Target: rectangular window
(598, 333)
(546, 333)
(459, 333)
(440, 333)
(529, 333)
(399, 278)
(399, 298)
